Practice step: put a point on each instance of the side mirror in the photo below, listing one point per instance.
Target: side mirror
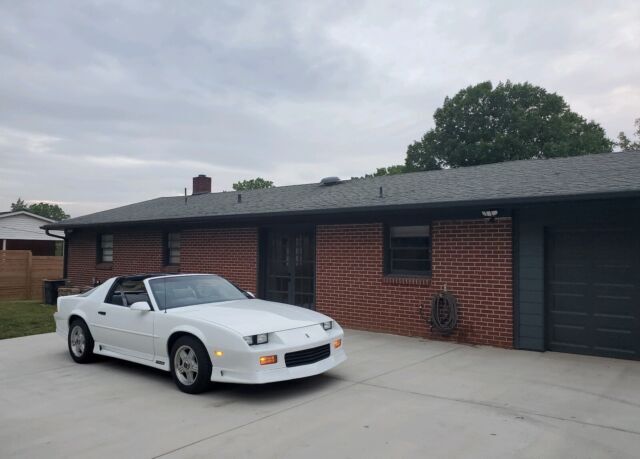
(140, 306)
(249, 295)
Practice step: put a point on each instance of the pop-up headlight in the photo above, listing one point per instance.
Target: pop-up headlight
(261, 338)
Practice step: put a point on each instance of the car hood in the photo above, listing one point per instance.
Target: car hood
(252, 316)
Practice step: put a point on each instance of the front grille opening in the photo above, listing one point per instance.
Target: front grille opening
(307, 356)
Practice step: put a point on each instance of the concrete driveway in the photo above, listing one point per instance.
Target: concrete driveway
(394, 397)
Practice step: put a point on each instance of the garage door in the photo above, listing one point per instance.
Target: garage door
(593, 288)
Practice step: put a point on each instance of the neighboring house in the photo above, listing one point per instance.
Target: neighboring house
(558, 268)
(21, 230)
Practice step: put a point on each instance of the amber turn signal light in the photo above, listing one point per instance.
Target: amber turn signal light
(268, 359)
(337, 343)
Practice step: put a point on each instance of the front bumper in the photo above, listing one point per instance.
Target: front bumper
(247, 370)
(279, 374)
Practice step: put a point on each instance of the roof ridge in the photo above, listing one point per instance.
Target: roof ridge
(598, 175)
(495, 164)
(466, 168)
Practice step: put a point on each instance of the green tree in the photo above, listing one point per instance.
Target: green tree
(52, 211)
(253, 184)
(421, 157)
(18, 205)
(482, 124)
(391, 170)
(625, 143)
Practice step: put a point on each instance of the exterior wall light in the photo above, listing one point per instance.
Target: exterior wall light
(489, 215)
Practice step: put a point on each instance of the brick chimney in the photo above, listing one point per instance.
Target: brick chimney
(201, 184)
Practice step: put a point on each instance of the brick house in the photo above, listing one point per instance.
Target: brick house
(540, 254)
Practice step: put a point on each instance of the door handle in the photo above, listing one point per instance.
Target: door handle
(102, 313)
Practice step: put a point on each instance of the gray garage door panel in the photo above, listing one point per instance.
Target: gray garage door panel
(593, 286)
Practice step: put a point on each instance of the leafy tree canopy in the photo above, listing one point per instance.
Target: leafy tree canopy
(19, 205)
(52, 211)
(625, 143)
(482, 124)
(253, 184)
(391, 170)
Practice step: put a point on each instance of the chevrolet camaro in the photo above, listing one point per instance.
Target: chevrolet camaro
(201, 328)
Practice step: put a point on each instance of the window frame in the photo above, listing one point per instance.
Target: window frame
(387, 250)
(116, 288)
(167, 249)
(100, 250)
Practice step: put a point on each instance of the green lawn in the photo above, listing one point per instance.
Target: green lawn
(22, 318)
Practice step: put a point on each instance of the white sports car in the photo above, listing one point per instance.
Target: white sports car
(201, 328)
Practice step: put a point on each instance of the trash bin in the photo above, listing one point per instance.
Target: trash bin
(50, 290)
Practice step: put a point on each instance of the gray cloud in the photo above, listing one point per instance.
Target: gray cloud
(106, 103)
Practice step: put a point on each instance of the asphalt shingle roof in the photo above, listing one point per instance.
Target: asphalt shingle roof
(509, 182)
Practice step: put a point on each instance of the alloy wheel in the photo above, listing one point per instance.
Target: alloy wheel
(78, 341)
(185, 365)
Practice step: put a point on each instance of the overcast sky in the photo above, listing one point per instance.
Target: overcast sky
(107, 103)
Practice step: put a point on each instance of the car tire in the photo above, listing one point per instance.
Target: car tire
(80, 342)
(190, 365)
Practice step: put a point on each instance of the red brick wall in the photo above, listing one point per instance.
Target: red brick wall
(134, 252)
(473, 258)
(81, 260)
(231, 253)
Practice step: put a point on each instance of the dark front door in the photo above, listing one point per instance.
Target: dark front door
(593, 292)
(290, 267)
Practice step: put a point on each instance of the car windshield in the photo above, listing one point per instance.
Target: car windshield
(176, 292)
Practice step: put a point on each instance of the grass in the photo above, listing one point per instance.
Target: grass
(23, 318)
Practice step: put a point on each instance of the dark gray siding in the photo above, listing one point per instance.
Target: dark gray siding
(530, 255)
(530, 282)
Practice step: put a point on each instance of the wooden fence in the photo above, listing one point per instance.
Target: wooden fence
(21, 274)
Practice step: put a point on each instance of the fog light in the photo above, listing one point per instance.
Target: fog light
(337, 343)
(268, 359)
(218, 353)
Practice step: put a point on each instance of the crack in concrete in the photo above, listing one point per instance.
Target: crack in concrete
(511, 410)
(275, 413)
(267, 416)
(587, 392)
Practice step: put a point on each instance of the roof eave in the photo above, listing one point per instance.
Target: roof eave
(26, 212)
(339, 211)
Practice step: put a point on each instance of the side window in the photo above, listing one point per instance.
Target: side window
(105, 248)
(158, 287)
(126, 292)
(408, 250)
(172, 249)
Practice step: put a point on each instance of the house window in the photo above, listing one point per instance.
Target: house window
(408, 250)
(105, 248)
(172, 247)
